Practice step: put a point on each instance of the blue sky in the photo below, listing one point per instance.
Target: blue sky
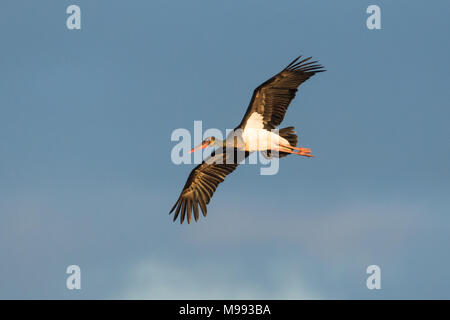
(86, 177)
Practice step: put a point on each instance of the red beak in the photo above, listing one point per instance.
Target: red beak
(203, 145)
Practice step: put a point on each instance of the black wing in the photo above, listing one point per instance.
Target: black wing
(272, 98)
(203, 181)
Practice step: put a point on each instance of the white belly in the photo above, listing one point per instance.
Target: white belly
(261, 140)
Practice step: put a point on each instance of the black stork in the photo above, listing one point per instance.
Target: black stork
(265, 112)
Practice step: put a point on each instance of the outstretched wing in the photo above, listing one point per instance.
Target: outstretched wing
(203, 181)
(271, 99)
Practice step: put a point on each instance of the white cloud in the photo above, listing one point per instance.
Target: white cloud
(155, 279)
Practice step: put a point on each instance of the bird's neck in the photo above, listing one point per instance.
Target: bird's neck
(226, 143)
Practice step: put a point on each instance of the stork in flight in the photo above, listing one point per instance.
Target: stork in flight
(265, 112)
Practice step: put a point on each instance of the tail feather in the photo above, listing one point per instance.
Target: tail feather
(290, 135)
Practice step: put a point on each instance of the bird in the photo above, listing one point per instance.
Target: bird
(256, 132)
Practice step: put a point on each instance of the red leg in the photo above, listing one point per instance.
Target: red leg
(305, 150)
(301, 153)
